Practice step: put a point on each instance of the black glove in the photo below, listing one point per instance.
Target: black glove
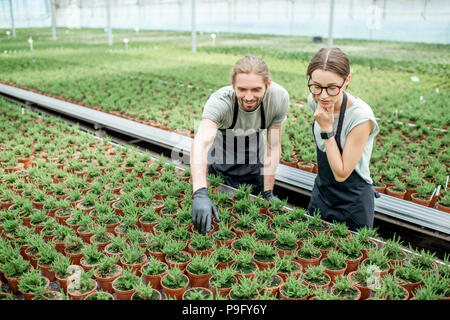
(201, 211)
(268, 195)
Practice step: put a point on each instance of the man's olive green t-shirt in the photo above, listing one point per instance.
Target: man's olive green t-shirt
(220, 109)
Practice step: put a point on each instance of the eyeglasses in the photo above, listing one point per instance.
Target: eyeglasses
(331, 90)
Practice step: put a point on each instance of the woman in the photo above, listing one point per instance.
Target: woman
(344, 129)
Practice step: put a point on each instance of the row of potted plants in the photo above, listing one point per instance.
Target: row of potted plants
(105, 225)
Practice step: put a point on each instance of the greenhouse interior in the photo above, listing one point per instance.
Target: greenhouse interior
(334, 180)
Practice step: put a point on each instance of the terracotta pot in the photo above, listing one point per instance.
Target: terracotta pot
(396, 194)
(250, 275)
(292, 164)
(282, 252)
(147, 226)
(180, 265)
(47, 272)
(365, 291)
(352, 264)
(74, 257)
(263, 265)
(273, 290)
(106, 283)
(223, 292)
(295, 274)
(75, 295)
(306, 263)
(316, 286)
(30, 296)
(135, 267)
(223, 265)
(284, 297)
(358, 295)
(395, 264)
(154, 280)
(422, 202)
(333, 274)
(13, 283)
(62, 283)
(198, 280)
(200, 252)
(309, 167)
(174, 293)
(161, 256)
(122, 294)
(443, 208)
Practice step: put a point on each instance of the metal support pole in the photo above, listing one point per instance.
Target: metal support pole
(108, 22)
(194, 33)
(52, 10)
(330, 25)
(12, 19)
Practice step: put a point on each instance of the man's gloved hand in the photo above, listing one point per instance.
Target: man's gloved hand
(201, 211)
(268, 195)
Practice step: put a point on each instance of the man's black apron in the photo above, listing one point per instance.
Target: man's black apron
(239, 159)
(350, 201)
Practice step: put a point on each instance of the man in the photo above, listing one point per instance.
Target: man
(232, 122)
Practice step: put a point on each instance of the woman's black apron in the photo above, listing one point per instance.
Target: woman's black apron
(350, 201)
(239, 159)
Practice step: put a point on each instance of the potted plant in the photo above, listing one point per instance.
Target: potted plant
(286, 242)
(366, 235)
(339, 230)
(263, 233)
(149, 219)
(133, 257)
(334, 264)
(398, 190)
(245, 289)
(174, 283)
(60, 266)
(165, 225)
(423, 194)
(81, 284)
(365, 278)
(107, 271)
(389, 289)
(14, 268)
(286, 266)
(316, 225)
(224, 257)
(31, 283)
(423, 260)
(245, 242)
(308, 255)
(409, 278)
(294, 289)
(201, 244)
(124, 285)
(115, 247)
(269, 281)
(153, 271)
(47, 254)
(86, 228)
(99, 295)
(90, 257)
(155, 245)
(264, 255)
(175, 256)
(222, 280)
(280, 222)
(145, 292)
(352, 249)
(378, 259)
(344, 290)
(199, 270)
(394, 252)
(73, 246)
(315, 277)
(277, 207)
(324, 243)
(298, 214)
(198, 293)
(244, 265)
(181, 233)
(224, 235)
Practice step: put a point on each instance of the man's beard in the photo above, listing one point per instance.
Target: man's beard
(252, 108)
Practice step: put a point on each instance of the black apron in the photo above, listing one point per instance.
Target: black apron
(351, 201)
(238, 159)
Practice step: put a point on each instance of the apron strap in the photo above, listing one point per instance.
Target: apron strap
(235, 113)
(340, 122)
